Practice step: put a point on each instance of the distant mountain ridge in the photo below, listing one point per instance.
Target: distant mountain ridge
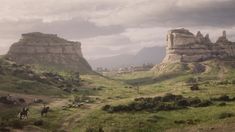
(152, 55)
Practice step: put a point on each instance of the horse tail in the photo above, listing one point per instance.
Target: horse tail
(19, 114)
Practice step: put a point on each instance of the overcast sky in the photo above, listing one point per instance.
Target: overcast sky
(111, 27)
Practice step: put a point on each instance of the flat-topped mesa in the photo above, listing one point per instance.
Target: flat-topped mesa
(37, 38)
(184, 46)
(49, 50)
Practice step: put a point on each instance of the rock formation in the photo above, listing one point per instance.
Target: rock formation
(49, 50)
(184, 46)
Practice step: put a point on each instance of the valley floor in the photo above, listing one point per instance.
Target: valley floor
(124, 89)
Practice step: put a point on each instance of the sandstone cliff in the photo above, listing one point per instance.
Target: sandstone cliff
(49, 50)
(184, 46)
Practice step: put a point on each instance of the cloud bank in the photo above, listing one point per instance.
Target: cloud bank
(107, 27)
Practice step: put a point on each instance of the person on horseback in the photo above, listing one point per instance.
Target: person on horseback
(45, 110)
(24, 113)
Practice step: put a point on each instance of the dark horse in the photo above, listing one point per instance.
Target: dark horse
(45, 110)
(24, 113)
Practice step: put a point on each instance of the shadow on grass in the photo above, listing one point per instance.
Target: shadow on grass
(152, 80)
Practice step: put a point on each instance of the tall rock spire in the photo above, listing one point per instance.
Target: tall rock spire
(224, 34)
(199, 37)
(223, 38)
(207, 38)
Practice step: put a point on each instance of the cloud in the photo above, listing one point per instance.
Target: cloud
(110, 27)
(127, 13)
(171, 13)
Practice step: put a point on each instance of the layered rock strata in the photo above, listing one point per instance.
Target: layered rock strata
(184, 46)
(49, 50)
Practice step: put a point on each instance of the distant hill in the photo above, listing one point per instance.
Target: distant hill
(146, 55)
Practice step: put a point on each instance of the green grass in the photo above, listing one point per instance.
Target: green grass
(131, 121)
(153, 122)
(14, 84)
(122, 88)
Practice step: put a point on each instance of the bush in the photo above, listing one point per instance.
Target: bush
(17, 124)
(91, 129)
(194, 101)
(225, 115)
(194, 87)
(165, 103)
(183, 102)
(38, 123)
(222, 104)
(222, 98)
(204, 103)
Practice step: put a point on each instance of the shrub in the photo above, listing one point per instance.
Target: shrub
(179, 122)
(222, 104)
(194, 87)
(91, 129)
(222, 98)
(204, 103)
(38, 123)
(17, 124)
(194, 101)
(225, 115)
(183, 102)
(165, 103)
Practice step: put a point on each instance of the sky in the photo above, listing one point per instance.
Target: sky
(112, 27)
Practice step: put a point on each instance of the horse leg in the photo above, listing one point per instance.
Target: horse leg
(21, 116)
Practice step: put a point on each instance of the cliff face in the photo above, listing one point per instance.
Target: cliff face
(184, 46)
(49, 50)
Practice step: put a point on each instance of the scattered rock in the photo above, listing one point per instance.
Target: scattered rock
(74, 90)
(67, 90)
(38, 100)
(38, 123)
(9, 100)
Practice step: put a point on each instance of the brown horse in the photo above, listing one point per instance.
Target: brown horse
(45, 110)
(24, 113)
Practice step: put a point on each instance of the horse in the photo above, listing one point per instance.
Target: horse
(24, 113)
(45, 110)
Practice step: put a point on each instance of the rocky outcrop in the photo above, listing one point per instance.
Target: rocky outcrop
(184, 46)
(49, 50)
